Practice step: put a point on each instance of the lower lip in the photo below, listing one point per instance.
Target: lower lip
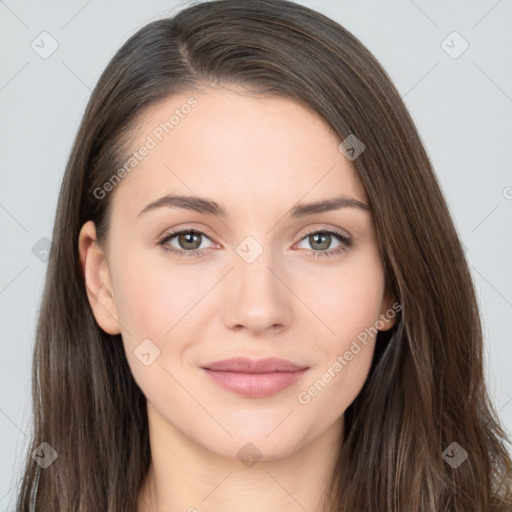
(255, 385)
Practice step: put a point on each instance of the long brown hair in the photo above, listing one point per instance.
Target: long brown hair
(426, 387)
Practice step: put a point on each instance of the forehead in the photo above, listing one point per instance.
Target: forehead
(244, 149)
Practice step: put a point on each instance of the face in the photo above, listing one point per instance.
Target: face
(186, 287)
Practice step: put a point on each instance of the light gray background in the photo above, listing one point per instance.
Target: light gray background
(462, 108)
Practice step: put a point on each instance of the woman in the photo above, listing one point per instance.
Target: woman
(257, 296)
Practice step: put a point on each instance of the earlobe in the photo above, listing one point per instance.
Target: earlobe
(97, 280)
(388, 313)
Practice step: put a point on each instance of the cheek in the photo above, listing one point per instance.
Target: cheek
(156, 301)
(350, 307)
(351, 299)
(152, 296)
(148, 307)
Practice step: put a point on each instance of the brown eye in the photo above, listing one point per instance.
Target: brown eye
(189, 240)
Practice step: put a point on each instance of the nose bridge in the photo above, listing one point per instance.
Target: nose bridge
(257, 299)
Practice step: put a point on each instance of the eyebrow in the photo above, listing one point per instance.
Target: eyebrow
(208, 206)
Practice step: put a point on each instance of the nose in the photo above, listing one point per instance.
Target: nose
(257, 298)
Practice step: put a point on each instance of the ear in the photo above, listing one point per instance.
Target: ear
(388, 313)
(97, 279)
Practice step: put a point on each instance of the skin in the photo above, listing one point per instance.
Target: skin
(257, 156)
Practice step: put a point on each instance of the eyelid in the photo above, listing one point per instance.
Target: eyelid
(188, 227)
(315, 229)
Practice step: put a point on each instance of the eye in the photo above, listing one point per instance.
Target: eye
(321, 240)
(189, 242)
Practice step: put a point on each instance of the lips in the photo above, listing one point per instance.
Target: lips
(247, 365)
(254, 378)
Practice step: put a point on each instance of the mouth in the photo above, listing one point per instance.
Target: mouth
(254, 378)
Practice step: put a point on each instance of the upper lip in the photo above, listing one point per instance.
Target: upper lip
(248, 365)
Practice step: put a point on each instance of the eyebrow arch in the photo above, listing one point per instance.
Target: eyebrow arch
(301, 210)
(208, 206)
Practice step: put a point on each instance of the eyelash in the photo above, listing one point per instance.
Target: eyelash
(345, 241)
